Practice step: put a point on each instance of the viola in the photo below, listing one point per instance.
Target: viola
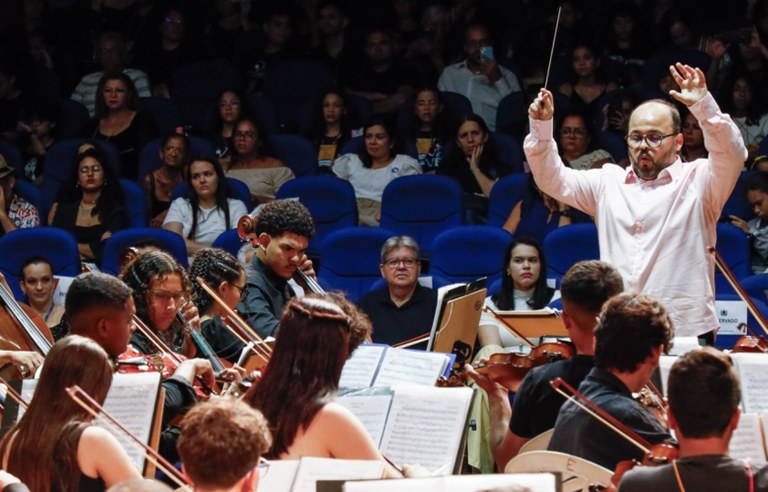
(132, 361)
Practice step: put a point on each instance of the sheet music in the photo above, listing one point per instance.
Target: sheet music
(425, 426)
(370, 410)
(311, 470)
(131, 401)
(540, 482)
(359, 370)
(753, 370)
(280, 477)
(747, 440)
(410, 367)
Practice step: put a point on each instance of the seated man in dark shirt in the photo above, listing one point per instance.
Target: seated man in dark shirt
(382, 79)
(403, 309)
(704, 396)
(634, 330)
(584, 288)
(283, 228)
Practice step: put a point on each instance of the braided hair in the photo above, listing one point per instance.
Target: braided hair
(215, 266)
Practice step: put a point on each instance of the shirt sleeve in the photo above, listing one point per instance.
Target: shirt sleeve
(341, 167)
(180, 211)
(236, 210)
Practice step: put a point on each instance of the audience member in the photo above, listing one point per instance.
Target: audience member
(12, 99)
(231, 108)
(38, 285)
(120, 122)
(227, 30)
(159, 184)
(429, 49)
(206, 211)
(382, 79)
(429, 130)
(693, 139)
(373, 168)
(523, 288)
(634, 330)
(740, 99)
(221, 444)
(757, 228)
(334, 47)
(479, 77)
(577, 146)
(587, 81)
(333, 126)
(402, 309)
(253, 163)
(474, 165)
(89, 204)
(112, 55)
(36, 134)
(627, 46)
(15, 212)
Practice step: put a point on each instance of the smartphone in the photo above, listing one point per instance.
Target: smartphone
(486, 52)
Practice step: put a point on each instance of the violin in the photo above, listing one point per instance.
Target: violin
(132, 361)
(652, 400)
(509, 369)
(653, 454)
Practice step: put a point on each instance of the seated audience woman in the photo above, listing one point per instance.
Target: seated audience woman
(742, 100)
(474, 165)
(159, 184)
(693, 139)
(206, 211)
(119, 121)
(429, 130)
(332, 127)
(231, 108)
(587, 81)
(523, 287)
(577, 145)
(537, 214)
(253, 163)
(226, 276)
(89, 204)
(371, 170)
(297, 390)
(55, 446)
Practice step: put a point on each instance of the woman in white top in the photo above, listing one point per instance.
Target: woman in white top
(523, 287)
(206, 212)
(370, 171)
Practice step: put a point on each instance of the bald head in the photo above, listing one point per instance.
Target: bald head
(654, 138)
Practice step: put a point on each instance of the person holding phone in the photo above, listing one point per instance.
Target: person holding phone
(479, 77)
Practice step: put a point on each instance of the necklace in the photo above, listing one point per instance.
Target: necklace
(85, 208)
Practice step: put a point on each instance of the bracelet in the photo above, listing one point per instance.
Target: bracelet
(565, 213)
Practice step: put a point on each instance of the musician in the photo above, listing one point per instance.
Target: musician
(704, 395)
(221, 445)
(584, 288)
(402, 309)
(160, 289)
(316, 336)
(54, 446)
(657, 218)
(226, 276)
(38, 285)
(633, 331)
(283, 229)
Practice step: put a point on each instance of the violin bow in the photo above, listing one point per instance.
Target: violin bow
(91, 406)
(600, 414)
(15, 396)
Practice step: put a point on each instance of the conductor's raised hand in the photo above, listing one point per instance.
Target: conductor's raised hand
(692, 83)
(543, 107)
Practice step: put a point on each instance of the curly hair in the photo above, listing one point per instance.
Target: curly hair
(221, 441)
(215, 266)
(631, 326)
(280, 216)
(139, 274)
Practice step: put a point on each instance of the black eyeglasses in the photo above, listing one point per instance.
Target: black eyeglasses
(239, 289)
(652, 140)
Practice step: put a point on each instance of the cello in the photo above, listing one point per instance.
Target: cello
(21, 329)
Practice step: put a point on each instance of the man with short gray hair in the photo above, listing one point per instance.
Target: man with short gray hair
(402, 309)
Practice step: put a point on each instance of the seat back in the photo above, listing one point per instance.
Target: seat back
(421, 206)
(291, 84)
(30, 193)
(577, 473)
(116, 245)
(466, 253)
(350, 260)
(538, 443)
(72, 120)
(134, 203)
(733, 246)
(165, 115)
(512, 115)
(504, 196)
(18, 246)
(229, 241)
(330, 201)
(737, 203)
(296, 152)
(567, 245)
